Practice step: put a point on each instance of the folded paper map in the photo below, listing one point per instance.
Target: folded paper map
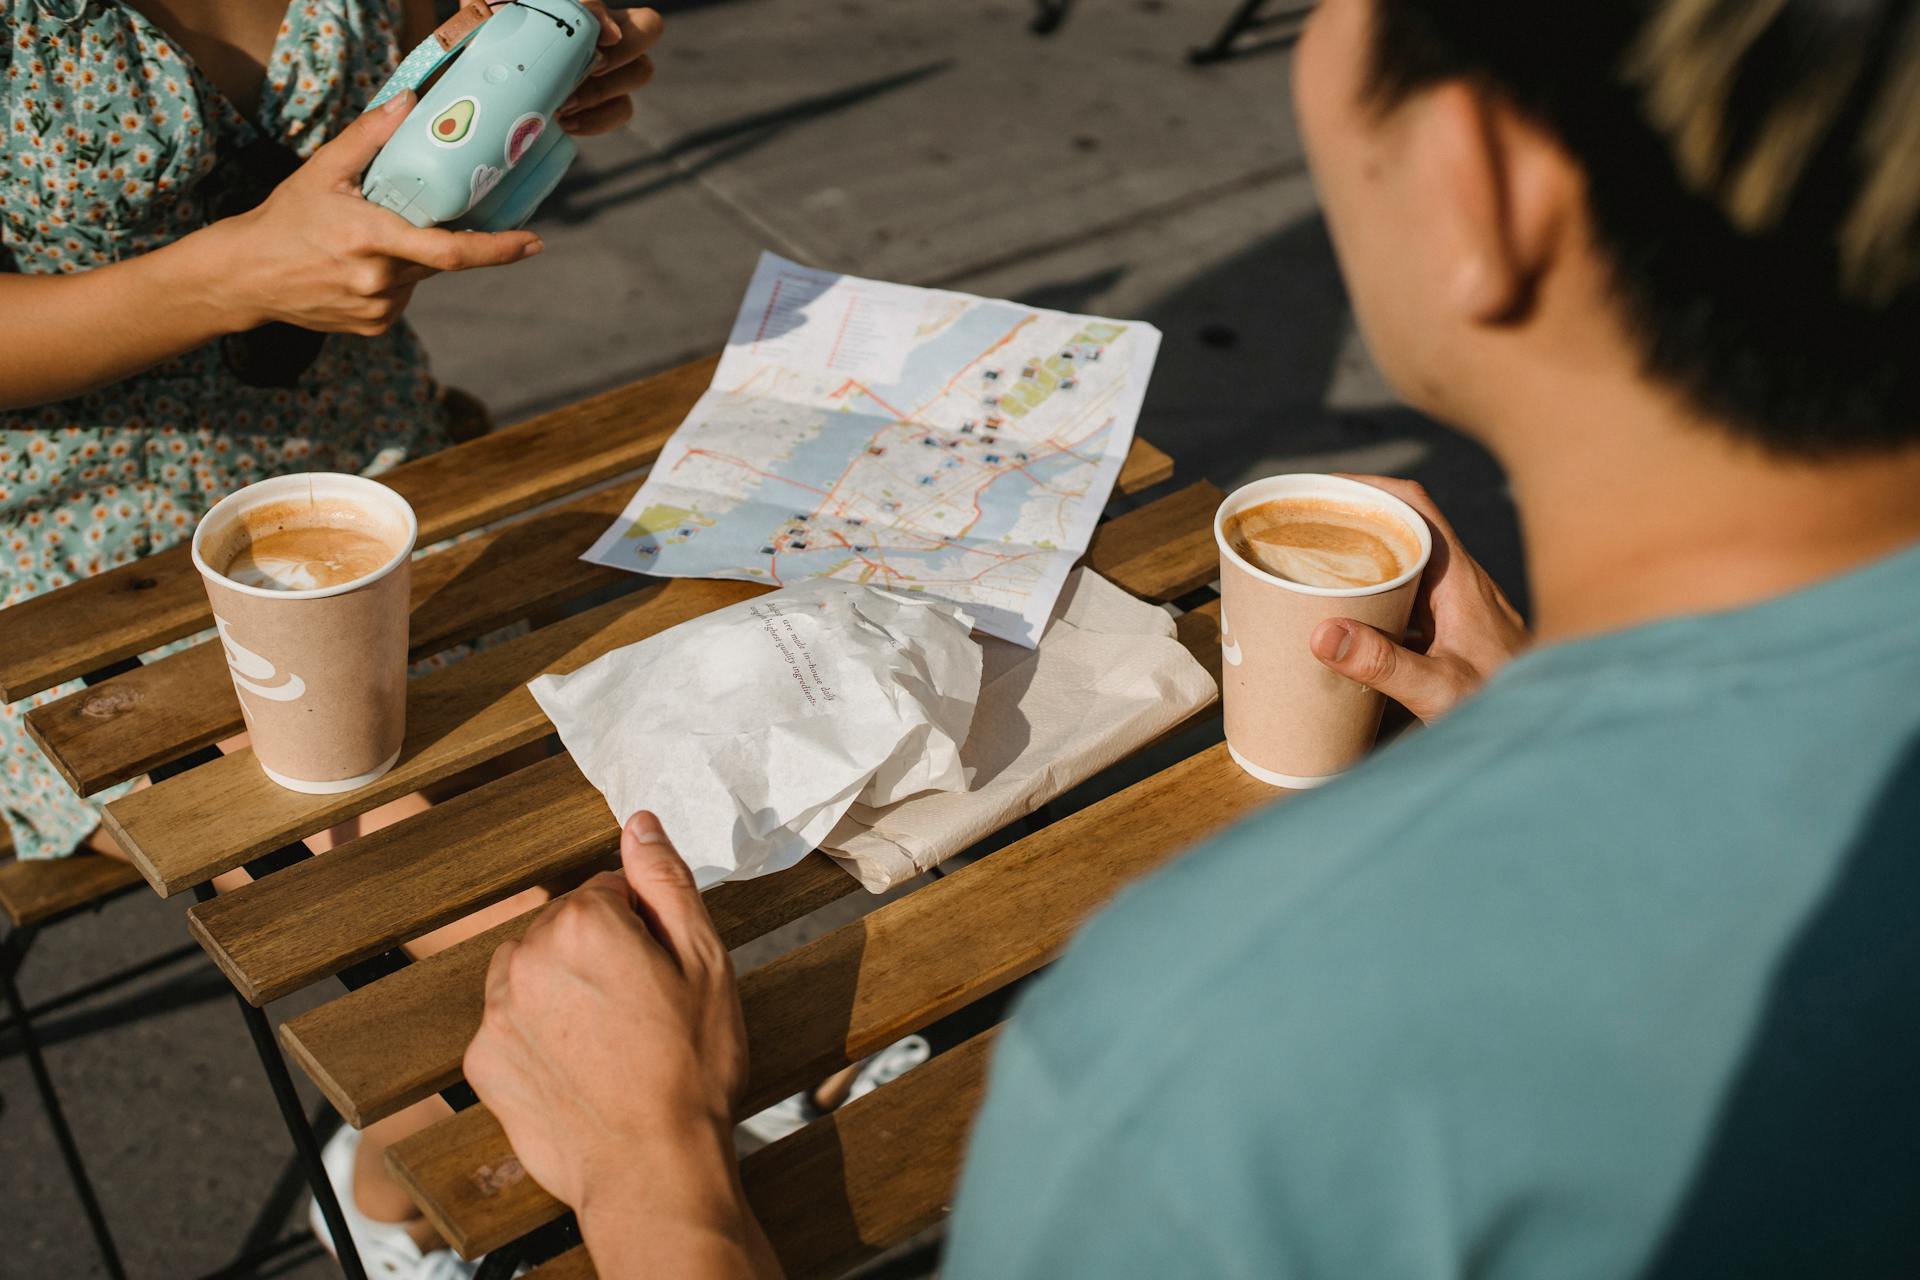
(913, 439)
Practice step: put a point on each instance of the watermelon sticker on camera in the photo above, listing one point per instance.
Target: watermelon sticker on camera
(525, 132)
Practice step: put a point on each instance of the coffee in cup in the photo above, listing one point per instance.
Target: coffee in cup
(308, 545)
(308, 578)
(1294, 551)
(1317, 542)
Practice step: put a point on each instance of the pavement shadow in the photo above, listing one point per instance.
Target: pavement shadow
(269, 1247)
(587, 190)
(199, 985)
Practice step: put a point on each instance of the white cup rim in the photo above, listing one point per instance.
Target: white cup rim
(1313, 484)
(270, 490)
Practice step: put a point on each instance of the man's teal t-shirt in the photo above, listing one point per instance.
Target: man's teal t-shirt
(1614, 972)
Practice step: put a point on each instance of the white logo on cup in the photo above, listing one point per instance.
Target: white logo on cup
(249, 668)
(1229, 648)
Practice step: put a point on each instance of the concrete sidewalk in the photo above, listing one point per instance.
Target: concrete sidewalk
(925, 141)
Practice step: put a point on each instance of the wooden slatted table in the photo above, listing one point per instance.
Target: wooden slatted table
(831, 1195)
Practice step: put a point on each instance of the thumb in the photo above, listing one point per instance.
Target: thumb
(1365, 656)
(345, 158)
(664, 891)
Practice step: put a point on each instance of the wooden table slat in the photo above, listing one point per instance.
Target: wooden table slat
(907, 964)
(125, 611)
(1168, 549)
(1144, 467)
(32, 892)
(123, 727)
(574, 1264)
(839, 1191)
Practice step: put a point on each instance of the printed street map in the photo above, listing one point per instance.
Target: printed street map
(913, 439)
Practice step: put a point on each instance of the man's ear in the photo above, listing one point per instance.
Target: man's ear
(1501, 192)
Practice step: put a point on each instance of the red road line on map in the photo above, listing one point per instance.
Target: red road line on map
(840, 334)
(744, 465)
(753, 378)
(899, 418)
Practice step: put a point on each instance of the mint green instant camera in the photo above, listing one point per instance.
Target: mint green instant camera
(481, 150)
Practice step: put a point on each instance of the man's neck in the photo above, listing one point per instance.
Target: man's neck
(1632, 512)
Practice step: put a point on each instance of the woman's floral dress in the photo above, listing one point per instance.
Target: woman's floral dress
(109, 133)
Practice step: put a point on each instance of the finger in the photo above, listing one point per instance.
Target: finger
(444, 250)
(666, 896)
(617, 84)
(604, 118)
(1365, 656)
(346, 156)
(634, 31)
(412, 274)
(609, 29)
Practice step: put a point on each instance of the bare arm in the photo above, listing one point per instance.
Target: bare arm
(314, 254)
(66, 334)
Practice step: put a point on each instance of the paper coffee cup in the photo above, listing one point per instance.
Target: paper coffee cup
(321, 674)
(1291, 722)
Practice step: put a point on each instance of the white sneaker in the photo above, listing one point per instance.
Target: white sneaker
(889, 1065)
(386, 1250)
(791, 1115)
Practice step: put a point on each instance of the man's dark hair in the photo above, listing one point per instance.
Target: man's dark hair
(1754, 177)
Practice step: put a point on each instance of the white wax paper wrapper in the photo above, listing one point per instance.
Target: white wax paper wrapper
(752, 730)
(1107, 678)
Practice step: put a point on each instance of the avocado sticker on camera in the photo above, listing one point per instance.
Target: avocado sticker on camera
(451, 127)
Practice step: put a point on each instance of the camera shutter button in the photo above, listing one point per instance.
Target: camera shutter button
(495, 74)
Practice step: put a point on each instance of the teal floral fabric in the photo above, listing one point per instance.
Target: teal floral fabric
(107, 134)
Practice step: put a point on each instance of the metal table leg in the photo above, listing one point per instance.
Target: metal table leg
(266, 1047)
(1250, 16)
(11, 957)
(294, 1116)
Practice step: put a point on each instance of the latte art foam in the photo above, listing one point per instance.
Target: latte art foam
(1321, 543)
(306, 547)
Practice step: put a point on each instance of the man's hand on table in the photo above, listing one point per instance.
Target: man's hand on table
(1463, 628)
(613, 1053)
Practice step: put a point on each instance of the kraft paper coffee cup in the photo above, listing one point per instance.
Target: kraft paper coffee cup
(1290, 721)
(321, 674)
